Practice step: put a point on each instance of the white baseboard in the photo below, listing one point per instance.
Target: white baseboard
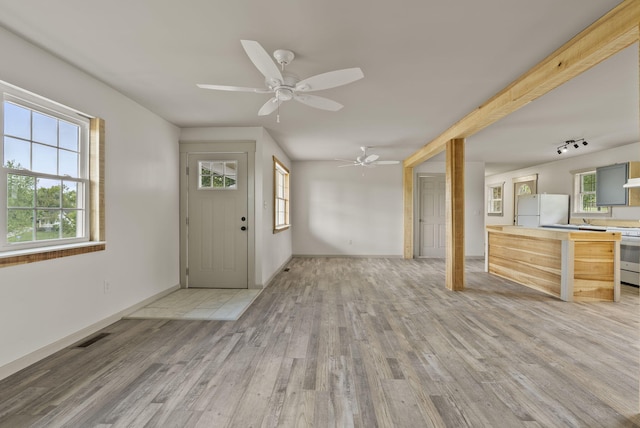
(349, 256)
(39, 354)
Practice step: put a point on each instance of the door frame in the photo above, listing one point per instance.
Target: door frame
(417, 207)
(212, 147)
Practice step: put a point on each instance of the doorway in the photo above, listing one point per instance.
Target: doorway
(432, 216)
(523, 186)
(215, 232)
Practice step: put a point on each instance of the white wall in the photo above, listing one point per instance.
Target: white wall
(473, 206)
(276, 247)
(350, 211)
(555, 177)
(272, 250)
(43, 303)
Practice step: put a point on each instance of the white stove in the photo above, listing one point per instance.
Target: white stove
(629, 254)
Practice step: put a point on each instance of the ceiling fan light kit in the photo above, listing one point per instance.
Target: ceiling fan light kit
(287, 86)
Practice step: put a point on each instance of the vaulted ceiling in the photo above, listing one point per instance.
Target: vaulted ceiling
(427, 63)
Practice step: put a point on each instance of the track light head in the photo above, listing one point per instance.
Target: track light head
(564, 149)
(559, 151)
(575, 145)
(584, 142)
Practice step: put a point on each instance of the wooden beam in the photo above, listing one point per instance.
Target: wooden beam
(607, 36)
(407, 184)
(455, 215)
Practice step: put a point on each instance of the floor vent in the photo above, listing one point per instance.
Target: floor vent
(93, 340)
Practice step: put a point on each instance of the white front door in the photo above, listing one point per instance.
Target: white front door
(432, 218)
(217, 221)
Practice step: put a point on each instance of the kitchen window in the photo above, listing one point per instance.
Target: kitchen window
(494, 202)
(584, 201)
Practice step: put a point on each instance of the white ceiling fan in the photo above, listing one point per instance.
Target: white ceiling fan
(367, 160)
(286, 86)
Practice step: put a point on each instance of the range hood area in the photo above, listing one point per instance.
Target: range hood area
(632, 182)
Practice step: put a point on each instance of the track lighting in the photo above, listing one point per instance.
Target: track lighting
(564, 147)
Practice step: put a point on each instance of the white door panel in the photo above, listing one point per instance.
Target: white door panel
(217, 212)
(432, 217)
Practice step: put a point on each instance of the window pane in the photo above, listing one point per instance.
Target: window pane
(45, 159)
(20, 191)
(17, 121)
(70, 194)
(47, 193)
(217, 181)
(47, 224)
(205, 181)
(20, 225)
(589, 202)
(589, 183)
(69, 135)
(70, 224)
(68, 163)
(230, 182)
(45, 129)
(231, 168)
(17, 153)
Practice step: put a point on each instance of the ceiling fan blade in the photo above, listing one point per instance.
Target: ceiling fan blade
(330, 79)
(318, 102)
(269, 107)
(387, 162)
(371, 158)
(232, 88)
(349, 164)
(262, 60)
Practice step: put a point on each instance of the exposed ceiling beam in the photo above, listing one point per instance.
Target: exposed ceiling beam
(607, 36)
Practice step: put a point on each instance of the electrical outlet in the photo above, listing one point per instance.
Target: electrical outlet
(106, 286)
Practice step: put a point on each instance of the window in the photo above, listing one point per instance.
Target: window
(585, 194)
(494, 203)
(280, 196)
(217, 174)
(46, 174)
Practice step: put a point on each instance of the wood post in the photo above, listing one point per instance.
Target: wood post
(455, 214)
(407, 184)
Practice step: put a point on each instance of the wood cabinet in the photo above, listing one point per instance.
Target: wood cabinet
(570, 265)
(634, 192)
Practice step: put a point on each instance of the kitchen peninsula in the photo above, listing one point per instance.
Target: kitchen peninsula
(573, 265)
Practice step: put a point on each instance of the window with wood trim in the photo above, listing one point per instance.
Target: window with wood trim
(280, 196)
(46, 182)
(585, 194)
(494, 199)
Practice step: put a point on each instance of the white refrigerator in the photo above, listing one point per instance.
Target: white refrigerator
(542, 209)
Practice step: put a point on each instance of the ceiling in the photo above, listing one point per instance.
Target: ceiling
(427, 63)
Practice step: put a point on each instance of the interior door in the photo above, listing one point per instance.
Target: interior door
(432, 216)
(217, 220)
(523, 186)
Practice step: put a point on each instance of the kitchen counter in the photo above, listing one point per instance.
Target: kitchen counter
(573, 265)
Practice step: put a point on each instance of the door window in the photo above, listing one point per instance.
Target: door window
(217, 175)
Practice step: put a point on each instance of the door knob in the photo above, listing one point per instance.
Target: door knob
(243, 218)
(243, 228)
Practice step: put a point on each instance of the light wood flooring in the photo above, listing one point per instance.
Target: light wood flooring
(353, 342)
(199, 304)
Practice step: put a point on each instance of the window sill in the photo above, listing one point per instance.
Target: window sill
(31, 255)
(281, 229)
